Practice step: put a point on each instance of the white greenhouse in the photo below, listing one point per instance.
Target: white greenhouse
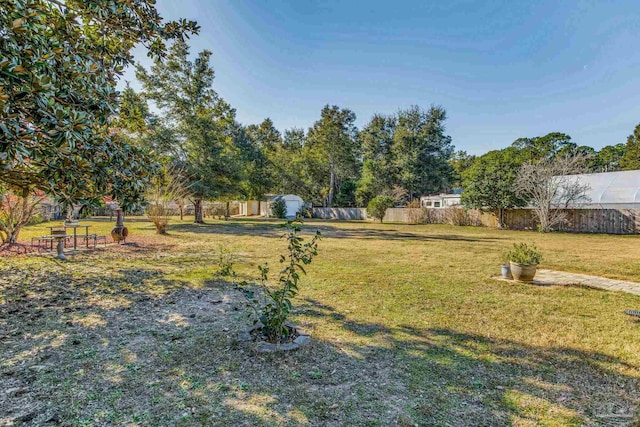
(611, 190)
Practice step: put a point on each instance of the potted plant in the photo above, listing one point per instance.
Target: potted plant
(505, 266)
(523, 261)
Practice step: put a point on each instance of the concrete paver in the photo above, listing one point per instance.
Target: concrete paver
(551, 277)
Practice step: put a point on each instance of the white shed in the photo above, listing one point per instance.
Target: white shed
(294, 204)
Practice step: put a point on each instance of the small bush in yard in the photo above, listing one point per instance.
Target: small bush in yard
(37, 219)
(226, 259)
(378, 206)
(521, 253)
(279, 208)
(304, 212)
(274, 312)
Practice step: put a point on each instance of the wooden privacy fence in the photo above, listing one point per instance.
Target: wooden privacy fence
(340, 213)
(610, 221)
(454, 216)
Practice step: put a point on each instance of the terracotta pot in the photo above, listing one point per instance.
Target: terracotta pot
(523, 272)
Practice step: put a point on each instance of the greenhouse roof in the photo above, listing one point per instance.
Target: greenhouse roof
(612, 189)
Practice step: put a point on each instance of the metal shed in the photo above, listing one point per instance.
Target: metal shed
(294, 204)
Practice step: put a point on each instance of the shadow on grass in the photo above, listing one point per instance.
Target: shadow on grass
(265, 228)
(134, 347)
(478, 380)
(271, 228)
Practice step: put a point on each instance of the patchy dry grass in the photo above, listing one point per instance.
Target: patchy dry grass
(409, 329)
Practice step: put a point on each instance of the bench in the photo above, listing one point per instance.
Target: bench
(40, 241)
(46, 242)
(96, 239)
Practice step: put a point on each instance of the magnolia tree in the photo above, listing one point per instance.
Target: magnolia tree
(59, 65)
(550, 185)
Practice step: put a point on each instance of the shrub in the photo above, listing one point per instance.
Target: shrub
(504, 258)
(16, 210)
(415, 203)
(226, 259)
(521, 253)
(433, 216)
(415, 212)
(304, 212)
(274, 312)
(461, 217)
(279, 208)
(164, 189)
(37, 219)
(378, 206)
(416, 215)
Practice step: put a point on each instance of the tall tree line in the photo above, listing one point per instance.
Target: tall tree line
(405, 155)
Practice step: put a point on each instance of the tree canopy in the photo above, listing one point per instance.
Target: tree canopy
(421, 150)
(67, 132)
(489, 182)
(332, 142)
(59, 65)
(631, 157)
(378, 169)
(204, 122)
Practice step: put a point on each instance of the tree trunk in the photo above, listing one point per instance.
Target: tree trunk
(11, 236)
(181, 212)
(198, 211)
(332, 183)
(259, 208)
(544, 214)
(500, 217)
(226, 212)
(14, 235)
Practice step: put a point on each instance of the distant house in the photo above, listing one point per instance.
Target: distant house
(440, 201)
(50, 209)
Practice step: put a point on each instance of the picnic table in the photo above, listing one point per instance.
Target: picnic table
(75, 233)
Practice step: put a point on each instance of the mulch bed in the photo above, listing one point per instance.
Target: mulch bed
(15, 249)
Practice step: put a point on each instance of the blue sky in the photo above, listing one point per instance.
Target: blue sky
(502, 69)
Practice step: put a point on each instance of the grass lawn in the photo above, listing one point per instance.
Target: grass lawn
(409, 329)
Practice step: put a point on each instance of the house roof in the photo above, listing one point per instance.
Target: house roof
(286, 197)
(441, 196)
